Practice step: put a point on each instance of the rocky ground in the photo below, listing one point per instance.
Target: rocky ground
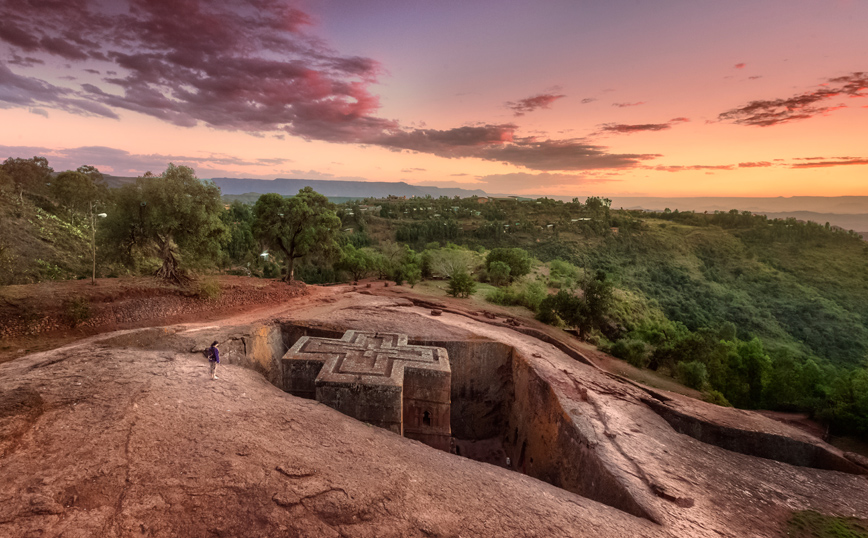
(124, 434)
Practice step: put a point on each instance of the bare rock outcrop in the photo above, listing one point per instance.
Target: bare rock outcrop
(128, 436)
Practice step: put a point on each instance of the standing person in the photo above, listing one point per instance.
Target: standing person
(214, 358)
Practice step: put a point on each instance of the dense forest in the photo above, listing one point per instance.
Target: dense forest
(754, 312)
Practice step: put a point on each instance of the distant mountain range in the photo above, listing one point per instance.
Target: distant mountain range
(849, 212)
(343, 189)
(821, 204)
(333, 189)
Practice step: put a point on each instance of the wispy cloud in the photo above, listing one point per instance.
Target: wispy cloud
(822, 162)
(740, 65)
(625, 105)
(25, 61)
(765, 113)
(529, 104)
(685, 168)
(622, 128)
(124, 163)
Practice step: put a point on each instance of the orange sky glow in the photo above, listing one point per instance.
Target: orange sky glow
(562, 98)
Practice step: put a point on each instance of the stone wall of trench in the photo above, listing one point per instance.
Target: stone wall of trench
(496, 394)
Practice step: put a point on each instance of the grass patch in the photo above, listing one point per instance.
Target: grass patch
(810, 524)
(208, 289)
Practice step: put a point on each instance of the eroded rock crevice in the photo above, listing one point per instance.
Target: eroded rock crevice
(755, 443)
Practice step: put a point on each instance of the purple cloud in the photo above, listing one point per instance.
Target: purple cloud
(685, 168)
(765, 113)
(244, 65)
(621, 128)
(823, 162)
(29, 92)
(123, 163)
(529, 104)
(24, 61)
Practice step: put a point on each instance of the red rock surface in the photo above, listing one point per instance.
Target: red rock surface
(128, 437)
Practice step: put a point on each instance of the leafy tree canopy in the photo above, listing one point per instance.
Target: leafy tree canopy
(79, 191)
(31, 175)
(518, 260)
(297, 226)
(168, 215)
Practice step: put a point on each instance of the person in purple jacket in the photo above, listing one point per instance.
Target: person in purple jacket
(214, 358)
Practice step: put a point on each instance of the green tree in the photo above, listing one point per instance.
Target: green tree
(359, 262)
(84, 193)
(168, 215)
(461, 284)
(77, 191)
(32, 175)
(693, 374)
(597, 298)
(518, 260)
(297, 225)
(498, 273)
(565, 305)
(413, 273)
(450, 261)
(239, 243)
(584, 313)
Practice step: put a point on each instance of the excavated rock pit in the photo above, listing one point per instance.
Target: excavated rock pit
(504, 413)
(103, 435)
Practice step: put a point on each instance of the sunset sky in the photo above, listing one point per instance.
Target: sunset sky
(619, 98)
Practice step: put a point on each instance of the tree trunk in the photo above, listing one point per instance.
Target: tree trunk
(290, 260)
(169, 270)
(93, 244)
(290, 269)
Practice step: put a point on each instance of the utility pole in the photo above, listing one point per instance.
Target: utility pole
(93, 243)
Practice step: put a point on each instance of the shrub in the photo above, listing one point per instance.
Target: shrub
(413, 274)
(77, 310)
(563, 274)
(461, 284)
(271, 270)
(633, 351)
(529, 295)
(208, 289)
(694, 374)
(716, 398)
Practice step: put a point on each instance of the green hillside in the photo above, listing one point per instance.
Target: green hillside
(808, 295)
(41, 241)
(754, 312)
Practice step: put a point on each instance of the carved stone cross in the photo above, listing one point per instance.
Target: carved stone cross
(377, 378)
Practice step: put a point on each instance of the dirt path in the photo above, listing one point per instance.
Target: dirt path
(40, 317)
